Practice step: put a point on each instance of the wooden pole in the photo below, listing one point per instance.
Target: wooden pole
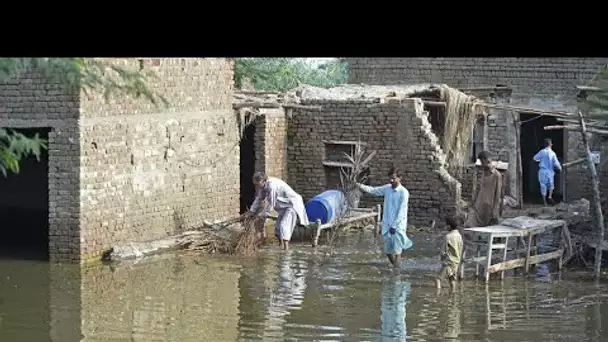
(596, 198)
(520, 172)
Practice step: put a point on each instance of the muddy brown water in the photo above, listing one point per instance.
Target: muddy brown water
(298, 295)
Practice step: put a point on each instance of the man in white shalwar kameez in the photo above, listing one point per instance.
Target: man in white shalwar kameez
(284, 200)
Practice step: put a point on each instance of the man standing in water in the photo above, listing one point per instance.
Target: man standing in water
(487, 204)
(547, 164)
(284, 200)
(394, 215)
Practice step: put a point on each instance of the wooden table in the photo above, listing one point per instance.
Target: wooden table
(521, 228)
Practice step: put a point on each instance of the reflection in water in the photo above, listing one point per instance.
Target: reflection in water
(286, 295)
(452, 319)
(293, 296)
(393, 303)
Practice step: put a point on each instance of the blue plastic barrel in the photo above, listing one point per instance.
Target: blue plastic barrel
(326, 206)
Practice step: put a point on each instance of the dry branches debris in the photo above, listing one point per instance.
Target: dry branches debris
(349, 177)
(240, 237)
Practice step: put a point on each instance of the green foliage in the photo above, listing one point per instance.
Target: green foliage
(14, 146)
(87, 74)
(281, 74)
(76, 73)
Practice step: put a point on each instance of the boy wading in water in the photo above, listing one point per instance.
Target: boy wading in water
(451, 252)
(547, 164)
(394, 216)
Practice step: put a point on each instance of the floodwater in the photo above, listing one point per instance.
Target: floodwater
(298, 295)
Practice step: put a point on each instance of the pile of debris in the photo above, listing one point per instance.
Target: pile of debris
(233, 236)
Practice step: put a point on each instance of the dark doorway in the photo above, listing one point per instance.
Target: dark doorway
(24, 207)
(247, 166)
(532, 135)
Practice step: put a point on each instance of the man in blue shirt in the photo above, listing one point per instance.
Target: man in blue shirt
(547, 164)
(394, 215)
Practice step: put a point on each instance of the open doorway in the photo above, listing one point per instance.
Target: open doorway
(24, 206)
(247, 166)
(532, 135)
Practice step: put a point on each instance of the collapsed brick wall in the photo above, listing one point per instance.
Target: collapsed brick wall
(149, 172)
(270, 142)
(536, 82)
(30, 100)
(399, 131)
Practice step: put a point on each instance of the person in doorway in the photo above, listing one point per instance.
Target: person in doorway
(273, 193)
(451, 252)
(547, 164)
(487, 203)
(394, 216)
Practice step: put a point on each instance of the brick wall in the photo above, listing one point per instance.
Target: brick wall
(31, 100)
(543, 77)
(125, 170)
(150, 172)
(271, 142)
(399, 131)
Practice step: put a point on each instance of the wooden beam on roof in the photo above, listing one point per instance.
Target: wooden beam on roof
(525, 110)
(435, 103)
(576, 128)
(238, 105)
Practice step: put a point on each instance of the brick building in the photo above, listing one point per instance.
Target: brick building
(538, 83)
(329, 122)
(124, 170)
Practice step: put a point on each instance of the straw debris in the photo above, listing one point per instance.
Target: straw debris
(242, 238)
(460, 116)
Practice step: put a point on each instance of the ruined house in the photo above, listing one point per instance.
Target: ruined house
(326, 123)
(537, 87)
(122, 170)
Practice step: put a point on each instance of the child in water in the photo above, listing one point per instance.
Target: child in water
(451, 252)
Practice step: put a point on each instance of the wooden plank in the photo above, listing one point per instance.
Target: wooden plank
(344, 142)
(588, 88)
(528, 250)
(238, 105)
(559, 114)
(498, 231)
(434, 103)
(297, 106)
(348, 220)
(536, 259)
(482, 259)
(329, 163)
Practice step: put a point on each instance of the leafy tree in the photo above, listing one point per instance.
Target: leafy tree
(281, 74)
(77, 73)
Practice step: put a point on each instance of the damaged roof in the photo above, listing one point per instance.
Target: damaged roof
(358, 91)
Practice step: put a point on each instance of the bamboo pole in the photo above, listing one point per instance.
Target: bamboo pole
(596, 198)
